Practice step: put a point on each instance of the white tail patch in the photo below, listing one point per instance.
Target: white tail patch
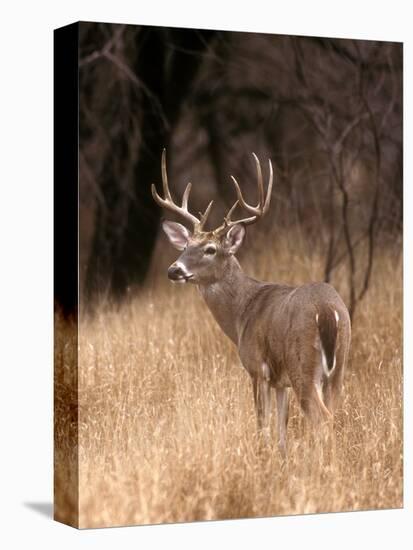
(335, 315)
(327, 372)
(324, 364)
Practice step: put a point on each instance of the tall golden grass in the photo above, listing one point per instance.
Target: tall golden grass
(167, 429)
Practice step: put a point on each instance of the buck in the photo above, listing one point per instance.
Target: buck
(287, 336)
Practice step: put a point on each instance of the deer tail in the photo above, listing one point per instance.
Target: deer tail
(327, 321)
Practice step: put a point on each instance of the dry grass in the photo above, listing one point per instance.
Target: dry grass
(167, 426)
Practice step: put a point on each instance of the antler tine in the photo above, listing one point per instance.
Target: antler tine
(166, 191)
(260, 182)
(159, 200)
(256, 210)
(204, 216)
(239, 194)
(231, 210)
(269, 190)
(229, 223)
(185, 196)
(263, 200)
(167, 201)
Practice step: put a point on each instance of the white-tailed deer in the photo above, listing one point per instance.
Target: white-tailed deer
(286, 336)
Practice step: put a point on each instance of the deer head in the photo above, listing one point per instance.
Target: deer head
(205, 254)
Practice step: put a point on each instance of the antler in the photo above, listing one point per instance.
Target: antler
(199, 223)
(257, 211)
(167, 202)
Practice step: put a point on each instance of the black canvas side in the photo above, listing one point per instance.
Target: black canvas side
(66, 278)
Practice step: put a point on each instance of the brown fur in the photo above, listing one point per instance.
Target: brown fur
(280, 331)
(276, 324)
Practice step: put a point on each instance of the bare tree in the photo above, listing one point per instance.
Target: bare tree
(146, 75)
(326, 111)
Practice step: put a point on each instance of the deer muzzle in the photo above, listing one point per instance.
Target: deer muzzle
(178, 274)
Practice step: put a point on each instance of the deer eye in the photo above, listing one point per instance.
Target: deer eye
(210, 250)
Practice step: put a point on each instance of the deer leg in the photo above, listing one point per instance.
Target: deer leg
(282, 419)
(262, 400)
(307, 382)
(312, 404)
(328, 397)
(266, 407)
(257, 403)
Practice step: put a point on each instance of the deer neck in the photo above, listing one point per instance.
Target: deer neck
(226, 298)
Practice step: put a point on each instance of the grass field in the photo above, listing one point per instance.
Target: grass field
(167, 429)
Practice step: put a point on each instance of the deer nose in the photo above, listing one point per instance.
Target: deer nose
(176, 272)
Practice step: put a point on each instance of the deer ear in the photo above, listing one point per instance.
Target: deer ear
(234, 238)
(177, 234)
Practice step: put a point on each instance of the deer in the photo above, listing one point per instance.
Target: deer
(287, 336)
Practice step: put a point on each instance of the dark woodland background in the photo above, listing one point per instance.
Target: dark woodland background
(328, 112)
